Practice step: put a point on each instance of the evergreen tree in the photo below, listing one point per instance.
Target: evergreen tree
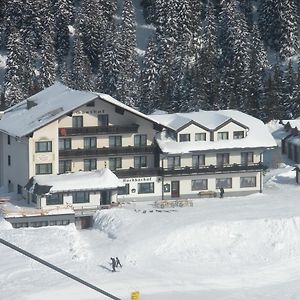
(81, 73)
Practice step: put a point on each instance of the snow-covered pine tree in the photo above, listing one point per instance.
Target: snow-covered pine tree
(48, 54)
(290, 91)
(150, 79)
(81, 74)
(128, 84)
(63, 14)
(14, 89)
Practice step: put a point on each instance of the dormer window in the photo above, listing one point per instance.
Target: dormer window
(223, 135)
(238, 135)
(200, 136)
(185, 137)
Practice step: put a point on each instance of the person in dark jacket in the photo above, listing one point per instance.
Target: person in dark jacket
(221, 192)
(118, 263)
(113, 264)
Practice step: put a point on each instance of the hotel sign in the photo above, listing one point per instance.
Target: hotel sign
(143, 179)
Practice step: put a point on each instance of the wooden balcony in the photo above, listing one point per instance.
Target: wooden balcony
(147, 172)
(214, 169)
(109, 151)
(97, 130)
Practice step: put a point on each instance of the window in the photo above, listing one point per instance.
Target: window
(140, 162)
(223, 135)
(43, 169)
(90, 164)
(8, 139)
(65, 166)
(200, 136)
(54, 199)
(199, 184)
(185, 137)
(226, 183)
(77, 121)
(8, 160)
(222, 159)
(115, 141)
(91, 104)
(146, 188)
(248, 181)
(123, 190)
(246, 158)
(81, 197)
(102, 120)
(43, 146)
(173, 162)
(140, 140)
(238, 135)
(115, 163)
(65, 144)
(90, 142)
(198, 160)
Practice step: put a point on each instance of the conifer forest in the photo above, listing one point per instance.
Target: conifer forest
(201, 54)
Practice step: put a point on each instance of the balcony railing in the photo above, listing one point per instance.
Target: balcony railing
(214, 169)
(129, 150)
(112, 129)
(188, 170)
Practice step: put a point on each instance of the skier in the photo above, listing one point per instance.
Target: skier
(113, 264)
(221, 192)
(118, 264)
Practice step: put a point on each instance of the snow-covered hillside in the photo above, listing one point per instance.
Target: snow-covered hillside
(235, 248)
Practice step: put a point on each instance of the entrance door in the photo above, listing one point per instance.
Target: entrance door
(105, 198)
(175, 189)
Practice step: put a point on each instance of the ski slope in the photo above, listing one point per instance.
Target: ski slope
(232, 248)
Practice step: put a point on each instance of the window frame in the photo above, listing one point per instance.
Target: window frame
(197, 158)
(48, 146)
(48, 166)
(203, 187)
(86, 197)
(140, 140)
(115, 141)
(174, 162)
(66, 143)
(9, 160)
(90, 164)
(245, 179)
(225, 159)
(247, 155)
(65, 163)
(76, 122)
(115, 163)
(184, 137)
(140, 162)
(149, 190)
(103, 120)
(58, 201)
(90, 142)
(238, 137)
(222, 135)
(228, 184)
(124, 190)
(200, 134)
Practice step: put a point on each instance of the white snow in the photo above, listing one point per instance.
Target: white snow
(258, 135)
(51, 103)
(235, 248)
(93, 180)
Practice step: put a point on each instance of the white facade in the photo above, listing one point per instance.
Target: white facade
(162, 156)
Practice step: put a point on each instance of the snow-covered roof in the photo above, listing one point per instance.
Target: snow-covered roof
(84, 181)
(207, 119)
(258, 135)
(293, 123)
(49, 105)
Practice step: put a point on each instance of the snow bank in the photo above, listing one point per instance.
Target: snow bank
(4, 225)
